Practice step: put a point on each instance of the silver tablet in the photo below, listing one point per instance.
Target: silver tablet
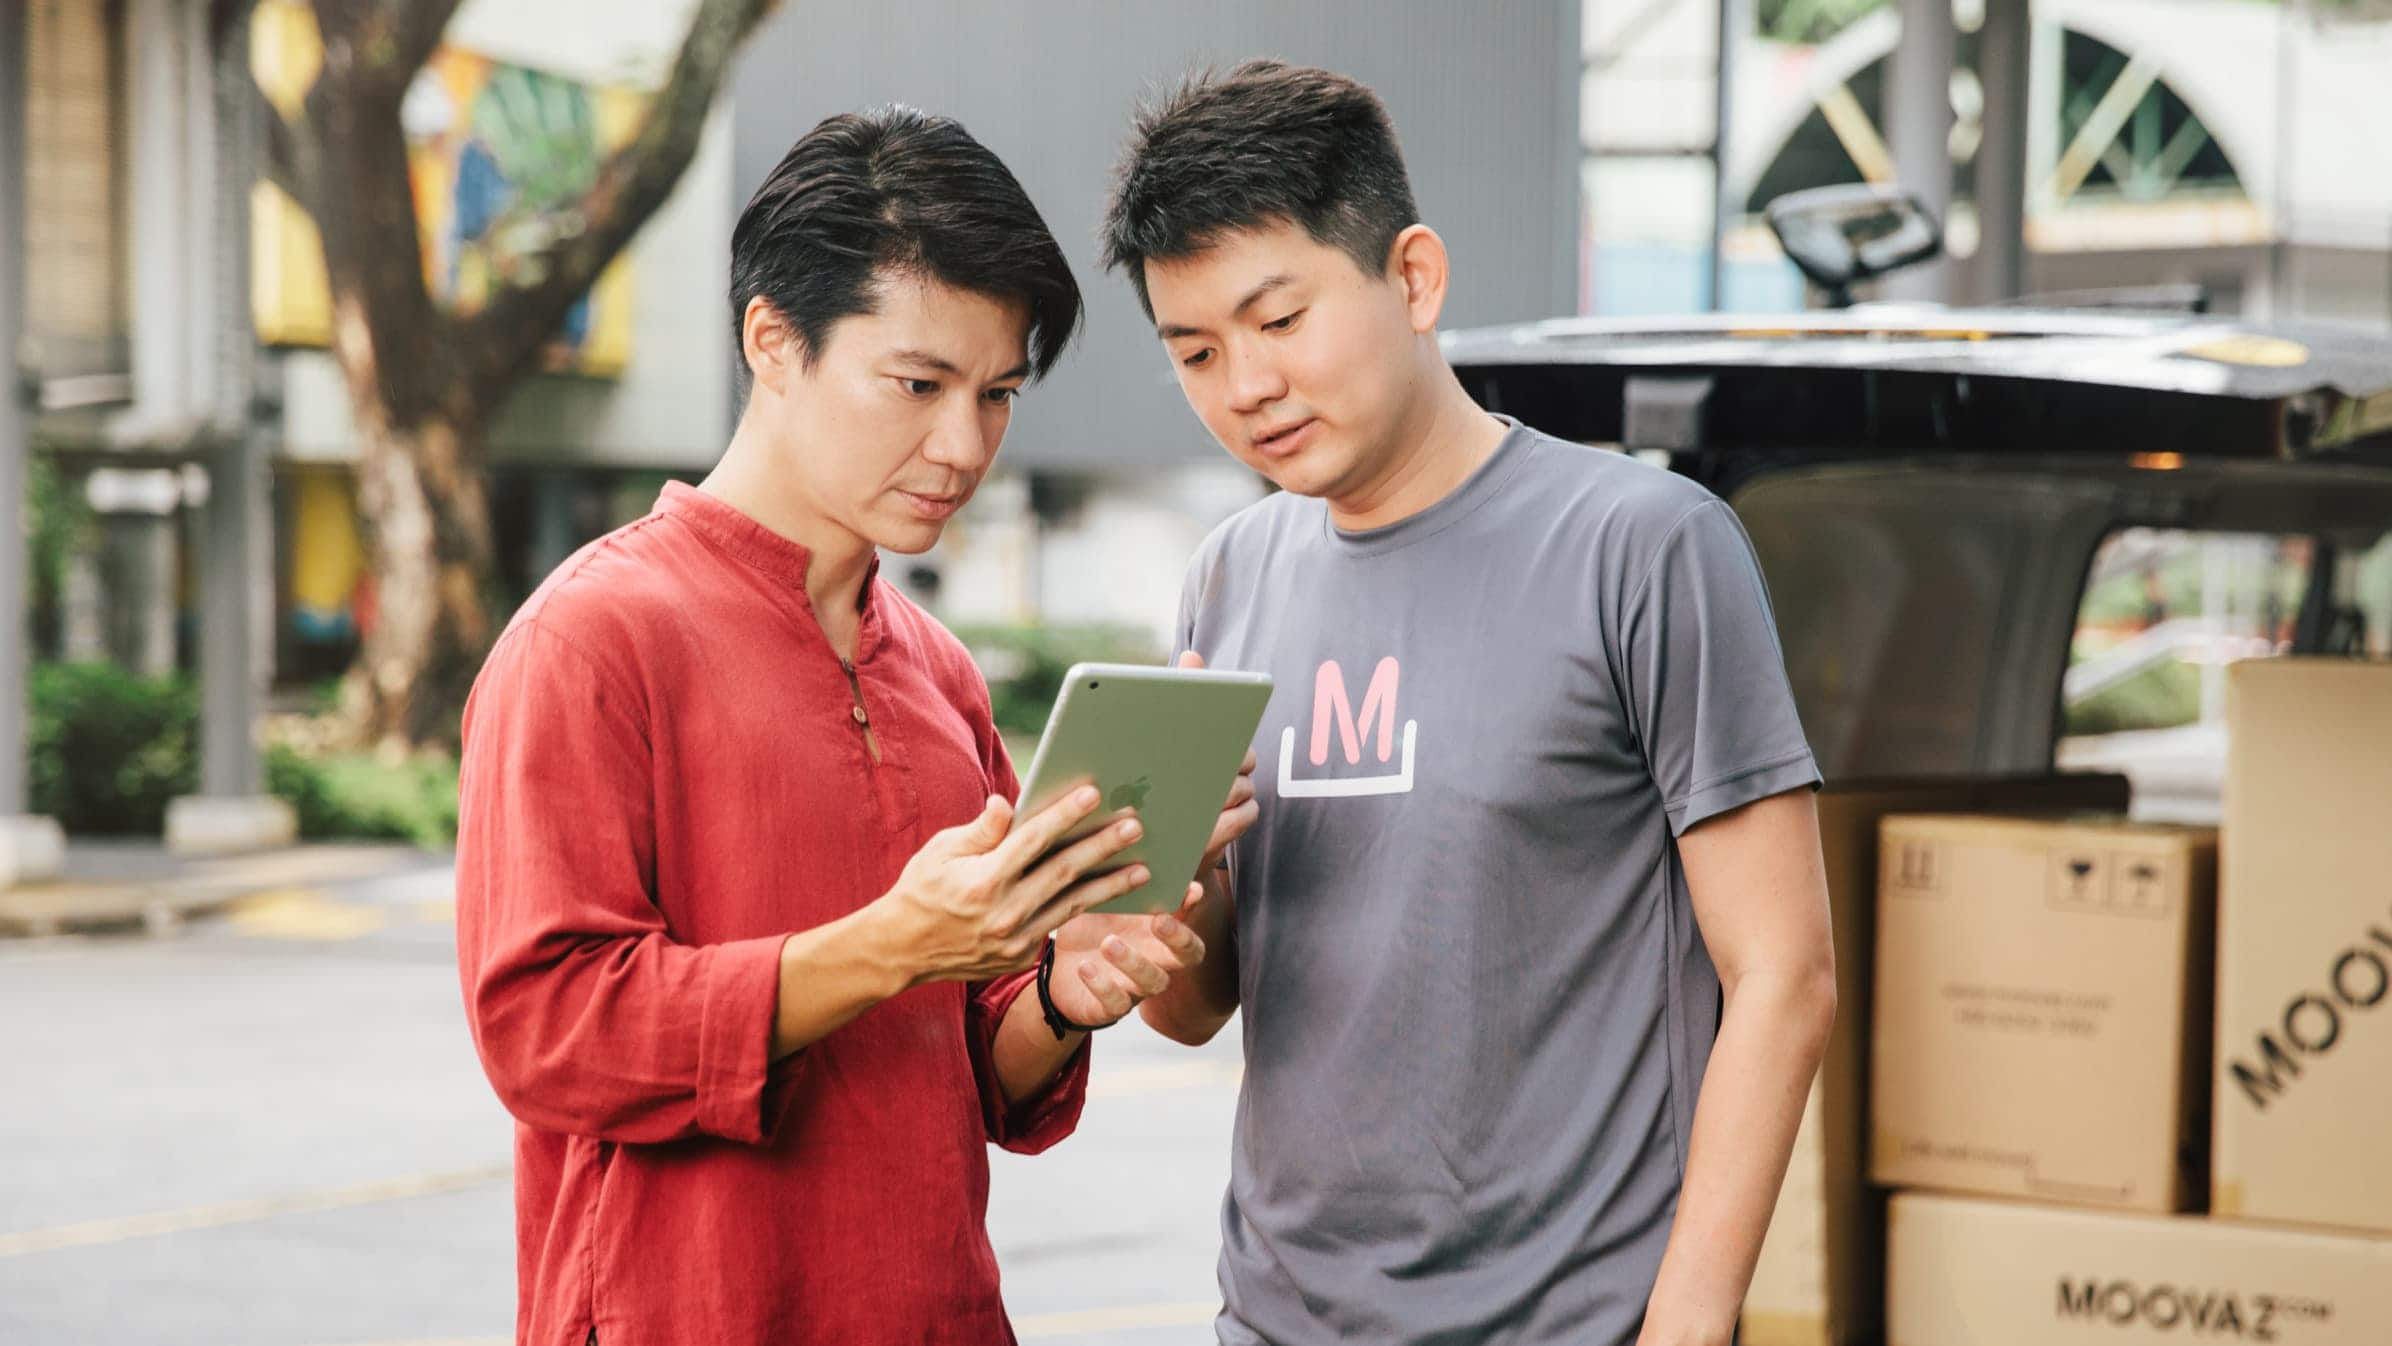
(1164, 741)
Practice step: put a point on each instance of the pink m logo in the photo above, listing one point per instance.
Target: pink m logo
(1329, 705)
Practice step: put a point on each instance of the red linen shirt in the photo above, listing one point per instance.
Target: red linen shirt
(664, 776)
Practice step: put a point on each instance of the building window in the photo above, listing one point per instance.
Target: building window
(75, 187)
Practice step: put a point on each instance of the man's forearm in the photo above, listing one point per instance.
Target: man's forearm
(829, 975)
(1198, 1002)
(1025, 1052)
(1771, 1038)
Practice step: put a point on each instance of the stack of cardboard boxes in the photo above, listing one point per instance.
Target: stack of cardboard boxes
(2083, 1032)
(1821, 1277)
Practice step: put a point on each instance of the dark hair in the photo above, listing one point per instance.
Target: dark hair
(1266, 142)
(896, 191)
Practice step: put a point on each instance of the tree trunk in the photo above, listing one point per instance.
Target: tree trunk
(423, 382)
(427, 521)
(428, 534)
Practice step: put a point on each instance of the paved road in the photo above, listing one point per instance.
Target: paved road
(270, 1130)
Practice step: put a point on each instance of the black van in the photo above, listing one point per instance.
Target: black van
(2002, 540)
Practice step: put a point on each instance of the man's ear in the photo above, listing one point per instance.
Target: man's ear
(1417, 261)
(773, 348)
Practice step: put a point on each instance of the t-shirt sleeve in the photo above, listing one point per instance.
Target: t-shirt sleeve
(590, 1016)
(1705, 677)
(1183, 627)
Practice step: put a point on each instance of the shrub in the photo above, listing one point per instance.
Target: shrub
(1025, 665)
(2162, 696)
(360, 796)
(107, 748)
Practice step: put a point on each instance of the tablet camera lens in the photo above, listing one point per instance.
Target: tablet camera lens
(1092, 686)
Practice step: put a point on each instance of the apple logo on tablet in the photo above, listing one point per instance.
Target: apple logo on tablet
(1132, 795)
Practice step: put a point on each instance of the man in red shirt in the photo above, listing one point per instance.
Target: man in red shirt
(746, 947)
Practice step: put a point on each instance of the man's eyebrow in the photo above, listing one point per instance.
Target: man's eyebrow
(1173, 331)
(1254, 296)
(926, 360)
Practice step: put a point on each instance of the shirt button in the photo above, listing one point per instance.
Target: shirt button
(860, 717)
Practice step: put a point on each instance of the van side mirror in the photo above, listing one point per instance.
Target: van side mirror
(1841, 236)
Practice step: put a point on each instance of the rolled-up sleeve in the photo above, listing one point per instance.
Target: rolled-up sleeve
(589, 1016)
(1040, 1121)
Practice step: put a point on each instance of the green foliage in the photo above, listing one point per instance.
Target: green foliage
(1810, 20)
(1025, 665)
(2252, 570)
(2162, 696)
(359, 796)
(107, 748)
(56, 516)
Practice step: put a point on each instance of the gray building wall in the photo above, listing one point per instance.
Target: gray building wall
(1485, 99)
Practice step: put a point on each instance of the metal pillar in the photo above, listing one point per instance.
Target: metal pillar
(236, 595)
(30, 848)
(163, 180)
(16, 420)
(238, 558)
(1735, 20)
(1918, 121)
(231, 680)
(556, 520)
(2003, 63)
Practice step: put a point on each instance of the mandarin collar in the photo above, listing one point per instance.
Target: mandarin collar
(729, 528)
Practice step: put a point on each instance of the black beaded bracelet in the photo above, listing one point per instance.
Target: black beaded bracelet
(1056, 1023)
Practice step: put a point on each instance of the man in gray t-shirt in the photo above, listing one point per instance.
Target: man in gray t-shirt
(1534, 799)
(1476, 1005)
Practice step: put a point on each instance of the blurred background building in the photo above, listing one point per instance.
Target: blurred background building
(1572, 153)
(1108, 482)
(2227, 144)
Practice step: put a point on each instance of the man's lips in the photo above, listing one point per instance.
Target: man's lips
(932, 506)
(1280, 441)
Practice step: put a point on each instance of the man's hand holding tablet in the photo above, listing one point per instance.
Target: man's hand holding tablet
(1157, 735)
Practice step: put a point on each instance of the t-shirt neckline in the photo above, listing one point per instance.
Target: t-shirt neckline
(1476, 489)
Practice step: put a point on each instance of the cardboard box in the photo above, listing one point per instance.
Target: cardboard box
(2304, 1023)
(1990, 1273)
(1821, 1276)
(2043, 1009)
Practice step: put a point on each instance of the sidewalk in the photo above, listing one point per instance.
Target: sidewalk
(127, 885)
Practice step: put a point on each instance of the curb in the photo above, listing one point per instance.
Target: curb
(162, 905)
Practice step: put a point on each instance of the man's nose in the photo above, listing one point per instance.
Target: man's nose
(1254, 382)
(964, 442)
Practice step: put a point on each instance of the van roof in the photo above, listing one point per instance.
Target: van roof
(2292, 390)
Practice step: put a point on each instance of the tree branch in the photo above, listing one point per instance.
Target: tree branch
(501, 342)
(392, 341)
(378, 45)
(286, 152)
(222, 15)
(414, 28)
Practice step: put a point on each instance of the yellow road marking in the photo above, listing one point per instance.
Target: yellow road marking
(116, 1230)
(303, 913)
(1126, 1316)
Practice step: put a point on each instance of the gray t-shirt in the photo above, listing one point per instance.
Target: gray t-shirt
(1476, 1004)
